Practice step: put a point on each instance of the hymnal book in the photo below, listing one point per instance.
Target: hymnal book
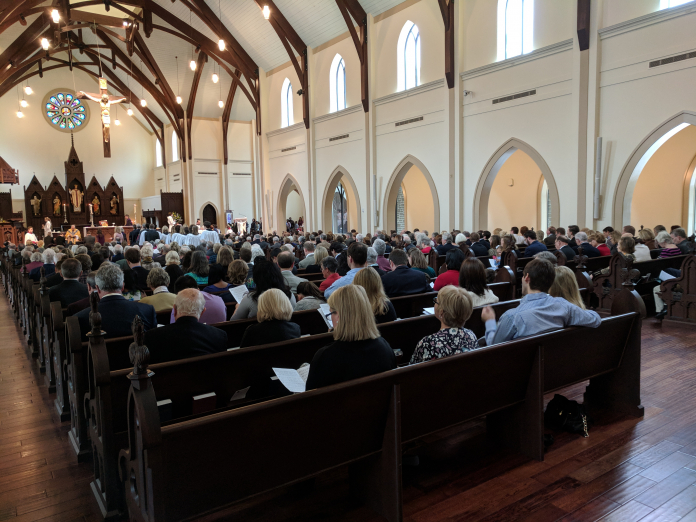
(664, 276)
(240, 394)
(432, 285)
(203, 403)
(294, 380)
(165, 410)
(429, 311)
(238, 292)
(325, 312)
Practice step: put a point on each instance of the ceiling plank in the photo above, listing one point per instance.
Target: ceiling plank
(352, 8)
(202, 58)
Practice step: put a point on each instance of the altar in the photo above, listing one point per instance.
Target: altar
(108, 233)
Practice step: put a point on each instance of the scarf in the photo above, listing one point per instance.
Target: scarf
(147, 260)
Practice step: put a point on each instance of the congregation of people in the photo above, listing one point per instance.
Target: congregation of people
(193, 274)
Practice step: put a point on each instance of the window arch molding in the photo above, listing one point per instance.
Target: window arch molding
(286, 106)
(408, 57)
(337, 84)
(175, 147)
(515, 28)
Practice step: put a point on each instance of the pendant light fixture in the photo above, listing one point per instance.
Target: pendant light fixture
(221, 104)
(178, 98)
(143, 101)
(130, 111)
(116, 120)
(193, 62)
(55, 15)
(221, 42)
(28, 90)
(44, 44)
(23, 103)
(19, 110)
(266, 12)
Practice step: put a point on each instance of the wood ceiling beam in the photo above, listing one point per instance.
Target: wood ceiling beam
(226, 118)
(202, 58)
(447, 11)
(18, 10)
(353, 8)
(292, 42)
(28, 38)
(584, 24)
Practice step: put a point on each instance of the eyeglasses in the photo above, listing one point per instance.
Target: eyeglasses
(333, 312)
(434, 300)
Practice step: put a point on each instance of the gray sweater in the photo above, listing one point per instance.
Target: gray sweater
(248, 308)
(308, 303)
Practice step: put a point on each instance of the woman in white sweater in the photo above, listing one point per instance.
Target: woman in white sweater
(472, 277)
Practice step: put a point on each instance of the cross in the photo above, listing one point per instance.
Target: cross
(105, 102)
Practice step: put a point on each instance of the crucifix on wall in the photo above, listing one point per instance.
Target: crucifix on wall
(105, 102)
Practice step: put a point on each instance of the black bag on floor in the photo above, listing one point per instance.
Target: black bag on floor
(564, 414)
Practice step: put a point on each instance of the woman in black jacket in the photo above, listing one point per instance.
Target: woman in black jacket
(274, 326)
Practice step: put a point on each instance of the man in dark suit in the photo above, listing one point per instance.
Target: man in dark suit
(562, 245)
(133, 260)
(587, 249)
(151, 234)
(186, 337)
(118, 254)
(550, 239)
(117, 312)
(486, 239)
(160, 257)
(70, 290)
(402, 280)
(133, 236)
(477, 246)
(533, 246)
(446, 245)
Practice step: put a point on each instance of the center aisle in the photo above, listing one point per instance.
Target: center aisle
(39, 475)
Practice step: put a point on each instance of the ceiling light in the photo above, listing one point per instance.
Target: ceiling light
(19, 114)
(178, 100)
(117, 122)
(44, 44)
(221, 104)
(266, 12)
(28, 90)
(143, 102)
(126, 22)
(55, 15)
(24, 103)
(193, 65)
(216, 78)
(129, 111)
(221, 44)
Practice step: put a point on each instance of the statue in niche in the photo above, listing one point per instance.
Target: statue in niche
(76, 198)
(114, 205)
(96, 205)
(36, 204)
(56, 205)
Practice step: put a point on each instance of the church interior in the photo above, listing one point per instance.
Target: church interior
(185, 183)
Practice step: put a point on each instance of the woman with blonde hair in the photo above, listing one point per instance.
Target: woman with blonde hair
(453, 308)
(418, 262)
(648, 238)
(381, 306)
(358, 349)
(218, 269)
(274, 325)
(566, 286)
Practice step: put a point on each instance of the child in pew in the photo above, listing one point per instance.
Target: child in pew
(453, 308)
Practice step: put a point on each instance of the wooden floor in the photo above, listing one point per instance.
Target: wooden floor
(627, 470)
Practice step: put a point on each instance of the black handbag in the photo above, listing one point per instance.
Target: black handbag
(564, 414)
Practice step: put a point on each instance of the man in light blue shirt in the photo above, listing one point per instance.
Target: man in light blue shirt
(538, 312)
(357, 260)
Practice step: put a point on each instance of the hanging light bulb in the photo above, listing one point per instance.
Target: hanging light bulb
(44, 44)
(117, 122)
(19, 114)
(221, 104)
(193, 65)
(24, 103)
(221, 44)
(143, 102)
(266, 12)
(129, 111)
(28, 90)
(178, 100)
(216, 78)
(55, 15)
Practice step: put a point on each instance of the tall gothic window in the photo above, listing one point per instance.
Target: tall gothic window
(175, 147)
(158, 153)
(408, 57)
(515, 28)
(337, 84)
(286, 104)
(340, 210)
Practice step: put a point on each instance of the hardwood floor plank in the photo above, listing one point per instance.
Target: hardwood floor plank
(631, 511)
(630, 489)
(668, 465)
(667, 488)
(655, 454)
(678, 506)
(592, 510)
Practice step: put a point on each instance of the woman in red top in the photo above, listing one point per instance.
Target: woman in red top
(453, 261)
(424, 245)
(599, 242)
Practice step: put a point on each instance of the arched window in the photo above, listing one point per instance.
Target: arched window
(340, 210)
(408, 57)
(287, 117)
(664, 4)
(515, 28)
(158, 153)
(337, 84)
(175, 147)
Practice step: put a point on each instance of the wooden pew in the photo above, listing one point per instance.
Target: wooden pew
(679, 295)
(60, 358)
(182, 470)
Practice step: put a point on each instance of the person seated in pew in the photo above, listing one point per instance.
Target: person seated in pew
(665, 241)
(84, 303)
(356, 257)
(533, 246)
(187, 336)
(329, 267)
(70, 290)
(478, 247)
(286, 263)
(402, 280)
(648, 238)
(626, 247)
(320, 253)
(308, 248)
(36, 262)
(372, 261)
(538, 311)
(551, 258)
(130, 286)
(679, 238)
(274, 325)
(48, 263)
(218, 269)
(563, 246)
(162, 299)
(133, 261)
(446, 245)
(358, 349)
(266, 275)
(642, 252)
(117, 313)
(599, 242)
(565, 285)
(382, 307)
(419, 263)
(56, 278)
(453, 261)
(381, 247)
(308, 297)
(237, 272)
(587, 249)
(199, 268)
(215, 309)
(472, 277)
(453, 308)
(172, 268)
